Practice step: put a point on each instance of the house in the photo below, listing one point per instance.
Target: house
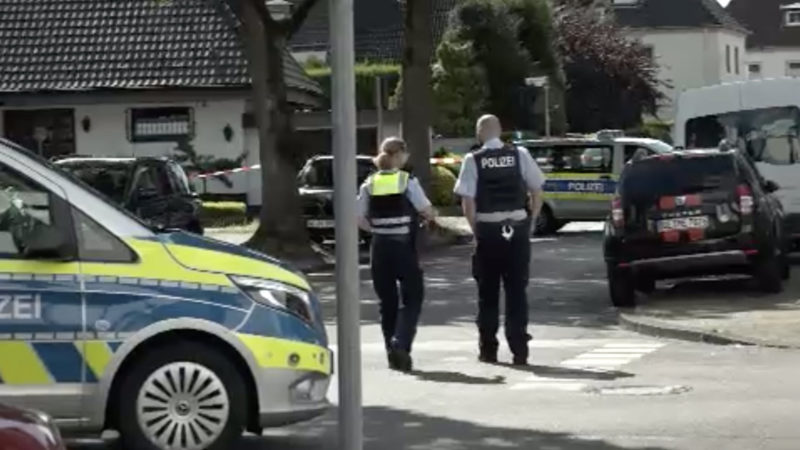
(773, 47)
(129, 78)
(695, 42)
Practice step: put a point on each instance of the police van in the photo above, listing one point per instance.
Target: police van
(582, 174)
(174, 340)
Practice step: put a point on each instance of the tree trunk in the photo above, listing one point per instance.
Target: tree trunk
(417, 100)
(281, 231)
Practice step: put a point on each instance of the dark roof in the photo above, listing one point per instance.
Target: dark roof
(378, 26)
(765, 19)
(676, 14)
(78, 45)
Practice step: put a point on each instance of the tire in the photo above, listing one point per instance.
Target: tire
(207, 411)
(769, 272)
(646, 285)
(621, 288)
(546, 223)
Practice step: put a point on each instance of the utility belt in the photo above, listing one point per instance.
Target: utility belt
(506, 223)
(503, 217)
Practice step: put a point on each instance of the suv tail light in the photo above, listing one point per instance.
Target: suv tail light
(746, 201)
(617, 213)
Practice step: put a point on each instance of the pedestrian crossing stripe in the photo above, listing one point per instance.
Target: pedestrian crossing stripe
(611, 356)
(51, 362)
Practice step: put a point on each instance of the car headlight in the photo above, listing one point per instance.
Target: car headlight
(278, 295)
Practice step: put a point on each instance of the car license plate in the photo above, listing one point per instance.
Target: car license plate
(317, 223)
(683, 223)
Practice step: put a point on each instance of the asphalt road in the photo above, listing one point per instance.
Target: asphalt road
(591, 385)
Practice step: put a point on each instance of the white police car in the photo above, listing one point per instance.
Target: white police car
(174, 340)
(582, 174)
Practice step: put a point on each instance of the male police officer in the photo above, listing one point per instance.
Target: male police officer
(494, 184)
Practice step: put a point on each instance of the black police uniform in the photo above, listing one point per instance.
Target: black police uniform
(503, 250)
(394, 258)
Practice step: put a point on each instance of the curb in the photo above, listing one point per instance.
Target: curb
(656, 328)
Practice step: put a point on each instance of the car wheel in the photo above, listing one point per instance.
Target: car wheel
(769, 273)
(546, 223)
(621, 288)
(646, 285)
(182, 396)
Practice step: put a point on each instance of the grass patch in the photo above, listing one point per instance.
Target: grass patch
(224, 214)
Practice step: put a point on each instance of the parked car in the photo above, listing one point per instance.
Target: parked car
(582, 174)
(692, 213)
(155, 189)
(22, 429)
(315, 181)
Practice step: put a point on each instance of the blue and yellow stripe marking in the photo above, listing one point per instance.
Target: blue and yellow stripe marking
(580, 186)
(46, 363)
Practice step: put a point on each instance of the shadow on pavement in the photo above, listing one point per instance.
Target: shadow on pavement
(568, 373)
(456, 377)
(392, 429)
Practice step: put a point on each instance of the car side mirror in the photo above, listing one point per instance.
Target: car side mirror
(144, 193)
(45, 242)
(771, 186)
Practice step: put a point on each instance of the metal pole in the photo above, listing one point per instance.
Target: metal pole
(344, 198)
(547, 109)
(379, 110)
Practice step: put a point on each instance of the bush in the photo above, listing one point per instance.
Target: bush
(442, 183)
(365, 82)
(223, 214)
(653, 129)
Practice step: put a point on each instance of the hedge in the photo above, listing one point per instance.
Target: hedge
(442, 183)
(365, 82)
(223, 214)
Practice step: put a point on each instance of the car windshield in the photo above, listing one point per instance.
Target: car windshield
(768, 135)
(320, 173)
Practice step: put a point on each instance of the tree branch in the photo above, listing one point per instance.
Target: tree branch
(299, 16)
(263, 13)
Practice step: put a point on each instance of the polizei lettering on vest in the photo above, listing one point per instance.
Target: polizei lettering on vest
(497, 162)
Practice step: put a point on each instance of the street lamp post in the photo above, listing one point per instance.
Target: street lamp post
(348, 305)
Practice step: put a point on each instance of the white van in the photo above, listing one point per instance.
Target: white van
(762, 117)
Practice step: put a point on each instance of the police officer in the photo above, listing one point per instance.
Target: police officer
(389, 201)
(501, 191)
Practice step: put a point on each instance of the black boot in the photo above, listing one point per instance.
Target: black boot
(400, 360)
(488, 354)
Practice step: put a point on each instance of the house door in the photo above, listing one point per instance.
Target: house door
(49, 132)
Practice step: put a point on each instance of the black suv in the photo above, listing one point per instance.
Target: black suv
(315, 182)
(155, 189)
(690, 213)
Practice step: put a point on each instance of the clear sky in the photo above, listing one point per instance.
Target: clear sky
(724, 2)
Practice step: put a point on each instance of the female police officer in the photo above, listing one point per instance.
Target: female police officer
(388, 203)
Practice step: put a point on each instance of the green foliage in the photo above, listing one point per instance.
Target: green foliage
(653, 129)
(459, 88)
(366, 73)
(193, 162)
(442, 183)
(223, 214)
(490, 47)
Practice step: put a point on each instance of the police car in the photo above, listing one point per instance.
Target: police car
(582, 174)
(174, 340)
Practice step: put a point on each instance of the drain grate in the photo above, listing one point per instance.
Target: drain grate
(639, 391)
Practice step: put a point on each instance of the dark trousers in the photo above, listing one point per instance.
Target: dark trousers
(395, 262)
(497, 259)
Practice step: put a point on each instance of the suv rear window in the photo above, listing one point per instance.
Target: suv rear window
(320, 172)
(647, 180)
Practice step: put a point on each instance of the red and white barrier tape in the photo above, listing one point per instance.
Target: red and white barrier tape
(258, 166)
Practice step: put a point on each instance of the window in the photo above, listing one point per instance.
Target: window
(793, 18)
(793, 68)
(754, 70)
(24, 206)
(320, 172)
(579, 158)
(178, 179)
(768, 135)
(728, 58)
(736, 59)
(160, 124)
(631, 150)
(95, 243)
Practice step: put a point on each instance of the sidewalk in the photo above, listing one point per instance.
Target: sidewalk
(722, 311)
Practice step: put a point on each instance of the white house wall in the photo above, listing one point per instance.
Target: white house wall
(689, 58)
(773, 61)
